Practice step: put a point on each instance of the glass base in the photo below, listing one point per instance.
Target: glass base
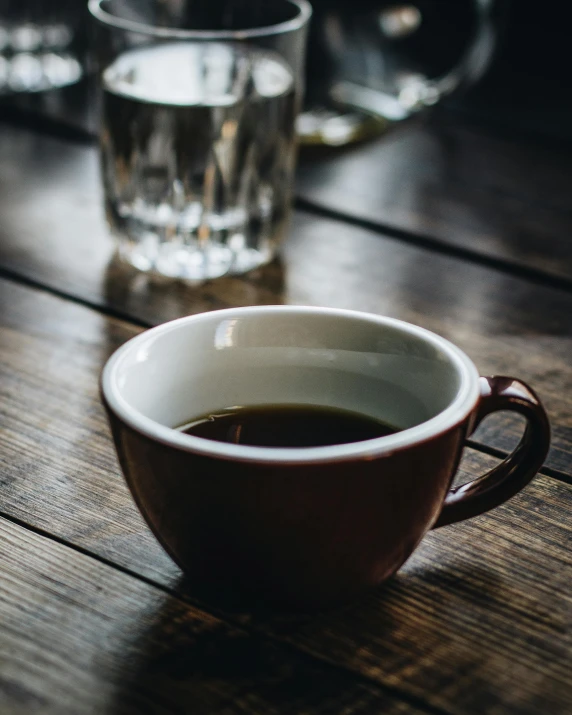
(195, 264)
(330, 126)
(30, 72)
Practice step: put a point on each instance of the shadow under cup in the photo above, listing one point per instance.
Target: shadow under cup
(305, 527)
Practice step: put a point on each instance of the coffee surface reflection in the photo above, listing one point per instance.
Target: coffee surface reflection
(287, 426)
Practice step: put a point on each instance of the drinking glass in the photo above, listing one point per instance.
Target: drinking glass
(198, 142)
(41, 44)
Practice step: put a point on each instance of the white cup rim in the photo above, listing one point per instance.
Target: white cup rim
(455, 413)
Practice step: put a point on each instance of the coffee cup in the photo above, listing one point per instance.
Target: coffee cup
(308, 527)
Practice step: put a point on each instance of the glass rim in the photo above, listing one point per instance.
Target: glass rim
(117, 23)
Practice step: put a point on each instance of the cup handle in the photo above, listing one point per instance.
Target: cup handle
(516, 471)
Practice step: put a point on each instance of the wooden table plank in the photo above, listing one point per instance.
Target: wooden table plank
(80, 637)
(486, 602)
(52, 232)
(441, 178)
(452, 183)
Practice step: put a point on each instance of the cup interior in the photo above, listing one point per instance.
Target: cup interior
(378, 367)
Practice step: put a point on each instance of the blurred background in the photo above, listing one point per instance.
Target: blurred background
(371, 63)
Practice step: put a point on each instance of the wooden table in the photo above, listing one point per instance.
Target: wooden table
(444, 224)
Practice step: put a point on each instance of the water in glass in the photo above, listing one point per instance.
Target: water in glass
(198, 151)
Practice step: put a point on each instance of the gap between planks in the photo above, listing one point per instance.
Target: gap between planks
(54, 128)
(436, 245)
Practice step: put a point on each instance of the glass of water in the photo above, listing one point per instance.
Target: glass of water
(198, 140)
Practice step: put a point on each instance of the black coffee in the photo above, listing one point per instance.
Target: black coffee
(287, 426)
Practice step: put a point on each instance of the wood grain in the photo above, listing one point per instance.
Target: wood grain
(78, 637)
(52, 232)
(479, 620)
(451, 183)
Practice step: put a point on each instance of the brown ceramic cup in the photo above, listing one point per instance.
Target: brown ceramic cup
(309, 527)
